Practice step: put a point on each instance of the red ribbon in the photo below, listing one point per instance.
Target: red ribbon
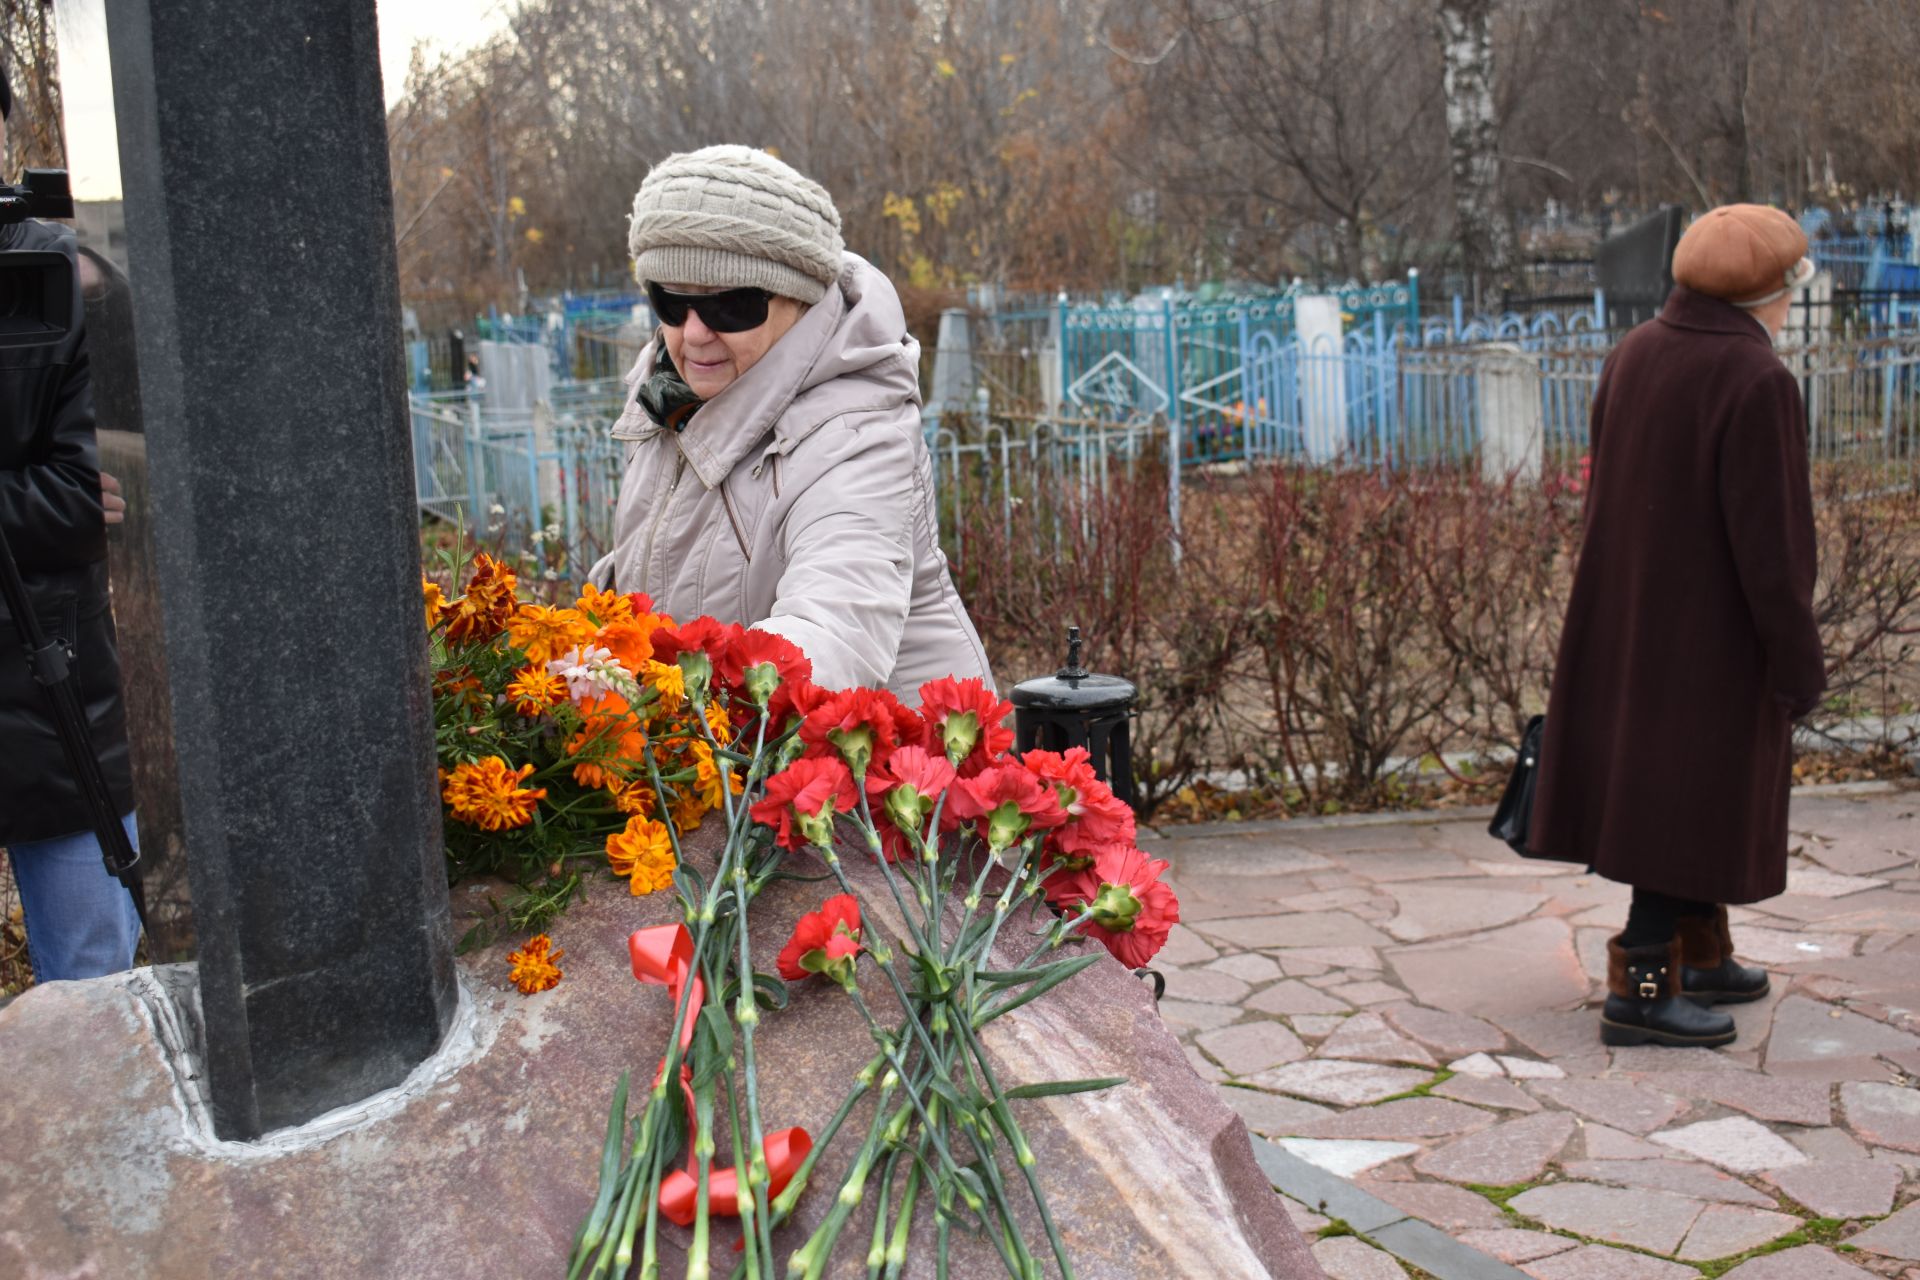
(680, 1190)
(663, 956)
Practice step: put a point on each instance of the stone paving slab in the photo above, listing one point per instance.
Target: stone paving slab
(1442, 995)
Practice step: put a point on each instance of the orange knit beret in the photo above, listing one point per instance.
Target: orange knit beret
(1742, 253)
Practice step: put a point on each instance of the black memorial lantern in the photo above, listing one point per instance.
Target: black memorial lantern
(1076, 708)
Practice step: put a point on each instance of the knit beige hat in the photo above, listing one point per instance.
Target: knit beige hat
(734, 218)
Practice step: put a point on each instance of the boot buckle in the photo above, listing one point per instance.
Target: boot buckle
(1649, 990)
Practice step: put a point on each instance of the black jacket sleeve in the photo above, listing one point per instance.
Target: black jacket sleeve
(50, 483)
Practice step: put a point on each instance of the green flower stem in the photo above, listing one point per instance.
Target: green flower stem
(877, 1250)
(752, 1162)
(783, 1204)
(896, 1255)
(650, 1242)
(1022, 1153)
(1061, 931)
(1020, 1256)
(697, 1263)
(872, 835)
(750, 1250)
(810, 1259)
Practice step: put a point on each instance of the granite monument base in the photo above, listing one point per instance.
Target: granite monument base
(484, 1162)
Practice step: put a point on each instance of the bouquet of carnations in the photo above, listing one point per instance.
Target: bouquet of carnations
(972, 847)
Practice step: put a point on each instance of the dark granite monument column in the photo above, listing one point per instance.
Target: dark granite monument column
(253, 154)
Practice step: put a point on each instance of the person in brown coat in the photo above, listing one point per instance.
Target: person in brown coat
(1690, 645)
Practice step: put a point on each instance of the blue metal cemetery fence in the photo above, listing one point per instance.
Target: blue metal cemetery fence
(1169, 387)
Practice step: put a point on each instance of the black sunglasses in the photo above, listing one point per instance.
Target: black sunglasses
(731, 311)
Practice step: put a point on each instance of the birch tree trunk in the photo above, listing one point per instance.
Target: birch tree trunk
(1466, 43)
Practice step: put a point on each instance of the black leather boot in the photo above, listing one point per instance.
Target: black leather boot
(1644, 1004)
(1708, 972)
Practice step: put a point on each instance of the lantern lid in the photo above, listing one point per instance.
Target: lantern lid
(1073, 687)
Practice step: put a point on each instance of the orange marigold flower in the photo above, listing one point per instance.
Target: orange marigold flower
(483, 611)
(643, 854)
(630, 639)
(535, 966)
(460, 686)
(604, 607)
(487, 794)
(544, 633)
(687, 811)
(633, 797)
(610, 743)
(534, 689)
(436, 600)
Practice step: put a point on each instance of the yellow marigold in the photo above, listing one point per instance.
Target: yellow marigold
(706, 777)
(533, 690)
(719, 724)
(488, 794)
(544, 633)
(535, 966)
(483, 611)
(643, 853)
(668, 679)
(436, 600)
(604, 607)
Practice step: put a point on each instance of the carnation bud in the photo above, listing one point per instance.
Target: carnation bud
(816, 827)
(855, 746)
(1114, 907)
(761, 680)
(908, 808)
(697, 671)
(1006, 826)
(959, 732)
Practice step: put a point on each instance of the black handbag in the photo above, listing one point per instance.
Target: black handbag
(1511, 819)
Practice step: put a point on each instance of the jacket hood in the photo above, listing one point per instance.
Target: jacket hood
(850, 352)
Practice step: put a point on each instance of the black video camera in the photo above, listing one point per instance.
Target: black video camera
(36, 285)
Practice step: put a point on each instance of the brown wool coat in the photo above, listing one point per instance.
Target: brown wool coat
(1690, 644)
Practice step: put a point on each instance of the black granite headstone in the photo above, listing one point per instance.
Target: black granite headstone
(1635, 268)
(253, 154)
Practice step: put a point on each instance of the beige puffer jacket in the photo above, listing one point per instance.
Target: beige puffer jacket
(800, 500)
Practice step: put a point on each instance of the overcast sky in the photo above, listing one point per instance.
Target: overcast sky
(85, 73)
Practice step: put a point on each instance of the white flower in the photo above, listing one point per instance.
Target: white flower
(592, 671)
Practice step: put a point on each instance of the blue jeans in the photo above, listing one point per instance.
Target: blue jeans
(80, 920)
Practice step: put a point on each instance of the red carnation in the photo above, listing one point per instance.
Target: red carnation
(861, 726)
(824, 941)
(966, 720)
(704, 638)
(1008, 801)
(642, 602)
(763, 666)
(1095, 816)
(1133, 908)
(905, 791)
(802, 800)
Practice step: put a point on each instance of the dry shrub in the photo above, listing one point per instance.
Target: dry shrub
(1867, 601)
(1343, 629)
(1102, 560)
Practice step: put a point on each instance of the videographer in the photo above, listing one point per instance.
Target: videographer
(81, 920)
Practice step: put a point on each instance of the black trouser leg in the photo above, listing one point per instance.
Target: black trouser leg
(1652, 918)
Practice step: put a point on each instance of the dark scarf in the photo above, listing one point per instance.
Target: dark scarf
(665, 395)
